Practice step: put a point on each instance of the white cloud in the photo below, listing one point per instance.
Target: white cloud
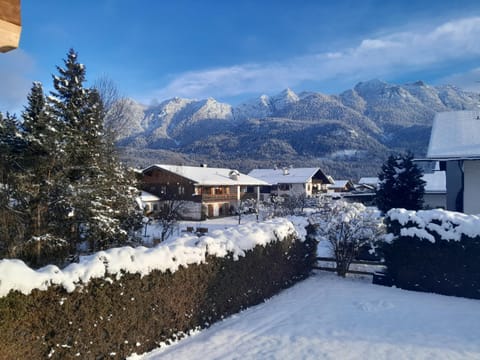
(374, 57)
(469, 80)
(15, 80)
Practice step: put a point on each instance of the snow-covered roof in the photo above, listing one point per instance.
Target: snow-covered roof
(455, 135)
(287, 175)
(146, 196)
(435, 182)
(338, 184)
(369, 181)
(208, 176)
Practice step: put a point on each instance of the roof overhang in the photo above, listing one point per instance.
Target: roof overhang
(10, 25)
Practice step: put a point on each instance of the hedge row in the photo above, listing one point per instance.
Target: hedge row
(113, 319)
(431, 263)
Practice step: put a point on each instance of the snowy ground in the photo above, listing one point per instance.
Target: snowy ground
(154, 230)
(326, 317)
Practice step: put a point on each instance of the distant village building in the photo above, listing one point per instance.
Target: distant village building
(341, 186)
(368, 183)
(10, 24)
(434, 196)
(207, 192)
(292, 181)
(455, 143)
(148, 202)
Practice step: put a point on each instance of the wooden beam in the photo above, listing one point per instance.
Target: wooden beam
(10, 24)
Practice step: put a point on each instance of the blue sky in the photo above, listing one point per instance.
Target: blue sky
(233, 51)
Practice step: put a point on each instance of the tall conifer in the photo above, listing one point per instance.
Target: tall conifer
(401, 184)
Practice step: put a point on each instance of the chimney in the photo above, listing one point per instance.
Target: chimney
(285, 171)
(204, 165)
(233, 174)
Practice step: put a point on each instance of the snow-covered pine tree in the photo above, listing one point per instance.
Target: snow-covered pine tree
(401, 184)
(12, 219)
(43, 179)
(102, 194)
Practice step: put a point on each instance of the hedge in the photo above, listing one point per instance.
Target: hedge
(113, 319)
(433, 251)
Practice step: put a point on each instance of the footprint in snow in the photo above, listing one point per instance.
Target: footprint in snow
(374, 306)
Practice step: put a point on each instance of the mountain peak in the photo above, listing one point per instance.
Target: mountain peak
(419, 83)
(289, 94)
(284, 99)
(370, 85)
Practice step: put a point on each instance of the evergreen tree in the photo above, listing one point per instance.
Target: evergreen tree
(101, 198)
(61, 185)
(44, 181)
(401, 184)
(12, 218)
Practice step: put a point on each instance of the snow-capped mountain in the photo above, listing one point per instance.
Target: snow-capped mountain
(371, 119)
(165, 124)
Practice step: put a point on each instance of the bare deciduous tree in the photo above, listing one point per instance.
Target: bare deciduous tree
(168, 215)
(117, 117)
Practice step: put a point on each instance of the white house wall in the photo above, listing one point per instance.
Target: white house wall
(471, 199)
(192, 210)
(434, 201)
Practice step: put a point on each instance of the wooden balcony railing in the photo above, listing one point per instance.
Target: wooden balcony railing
(218, 197)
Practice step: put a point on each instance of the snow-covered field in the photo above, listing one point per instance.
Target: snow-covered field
(326, 317)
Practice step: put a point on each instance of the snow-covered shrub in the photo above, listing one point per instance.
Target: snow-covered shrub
(434, 251)
(347, 227)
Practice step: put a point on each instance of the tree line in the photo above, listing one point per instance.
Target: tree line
(62, 187)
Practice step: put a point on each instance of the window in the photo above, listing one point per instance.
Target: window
(163, 189)
(181, 190)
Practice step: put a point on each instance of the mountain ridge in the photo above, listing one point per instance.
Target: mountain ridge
(364, 124)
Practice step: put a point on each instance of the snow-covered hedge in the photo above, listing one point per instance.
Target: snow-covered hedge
(434, 251)
(129, 300)
(435, 225)
(181, 251)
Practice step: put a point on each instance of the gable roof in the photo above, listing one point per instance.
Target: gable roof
(288, 175)
(369, 181)
(455, 135)
(339, 184)
(208, 176)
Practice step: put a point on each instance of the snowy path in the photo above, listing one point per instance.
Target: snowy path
(325, 317)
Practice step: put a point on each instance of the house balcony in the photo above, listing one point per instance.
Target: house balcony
(215, 198)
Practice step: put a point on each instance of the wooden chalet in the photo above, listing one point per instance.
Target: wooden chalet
(207, 192)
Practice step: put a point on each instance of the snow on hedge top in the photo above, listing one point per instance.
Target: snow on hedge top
(455, 135)
(184, 250)
(448, 225)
